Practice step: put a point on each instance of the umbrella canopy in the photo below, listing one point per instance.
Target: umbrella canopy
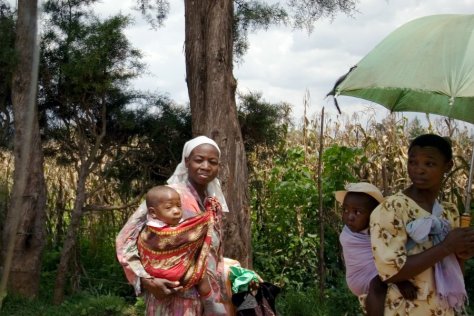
(426, 65)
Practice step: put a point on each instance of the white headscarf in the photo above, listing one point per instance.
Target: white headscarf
(180, 174)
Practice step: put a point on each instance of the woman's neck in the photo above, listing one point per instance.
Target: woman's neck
(201, 190)
(424, 198)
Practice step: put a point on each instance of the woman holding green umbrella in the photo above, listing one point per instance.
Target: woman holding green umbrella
(414, 237)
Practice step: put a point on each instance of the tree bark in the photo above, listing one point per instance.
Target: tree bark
(211, 88)
(26, 217)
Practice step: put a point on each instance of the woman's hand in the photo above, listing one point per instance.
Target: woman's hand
(160, 288)
(465, 255)
(460, 241)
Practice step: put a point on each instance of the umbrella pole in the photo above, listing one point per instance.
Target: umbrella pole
(467, 206)
(466, 216)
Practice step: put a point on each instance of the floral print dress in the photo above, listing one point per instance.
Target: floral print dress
(389, 239)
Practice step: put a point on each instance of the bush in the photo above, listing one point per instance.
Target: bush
(304, 303)
(336, 301)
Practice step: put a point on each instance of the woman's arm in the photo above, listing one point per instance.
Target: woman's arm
(126, 248)
(389, 238)
(459, 240)
(418, 263)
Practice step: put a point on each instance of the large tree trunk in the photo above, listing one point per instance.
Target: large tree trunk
(211, 87)
(25, 220)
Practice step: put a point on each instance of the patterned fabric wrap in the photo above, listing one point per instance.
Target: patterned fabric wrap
(448, 274)
(358, 259)
(177, 253)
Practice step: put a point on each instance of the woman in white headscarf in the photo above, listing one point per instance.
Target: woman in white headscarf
(195, 179)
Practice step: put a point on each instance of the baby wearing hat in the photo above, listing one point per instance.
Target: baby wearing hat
(358, 201)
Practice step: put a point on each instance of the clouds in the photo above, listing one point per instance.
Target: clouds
(315, 61)
(282, 63)
(163, 49)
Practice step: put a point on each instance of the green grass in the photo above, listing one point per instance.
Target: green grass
(289, 303)
(77, 305)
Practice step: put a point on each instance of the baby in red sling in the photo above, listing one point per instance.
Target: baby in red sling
(175, 249)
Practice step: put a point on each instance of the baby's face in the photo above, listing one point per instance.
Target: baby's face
(356, 212)
(168, 209)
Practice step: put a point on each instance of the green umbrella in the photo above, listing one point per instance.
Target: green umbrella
(426, 65)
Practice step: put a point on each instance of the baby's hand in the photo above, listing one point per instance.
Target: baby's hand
(407, 289)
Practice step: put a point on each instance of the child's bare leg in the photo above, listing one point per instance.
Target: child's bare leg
(211, 306)
(375, 302)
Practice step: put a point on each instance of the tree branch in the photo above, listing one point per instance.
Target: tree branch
(97, 208)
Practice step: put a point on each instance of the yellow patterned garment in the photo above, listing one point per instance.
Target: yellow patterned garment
(389, 239)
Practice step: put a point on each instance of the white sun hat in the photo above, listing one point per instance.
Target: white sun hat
(360, 187)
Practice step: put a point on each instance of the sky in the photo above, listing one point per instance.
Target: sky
(283, 64)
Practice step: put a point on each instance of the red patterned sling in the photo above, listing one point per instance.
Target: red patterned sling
(179, 253)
